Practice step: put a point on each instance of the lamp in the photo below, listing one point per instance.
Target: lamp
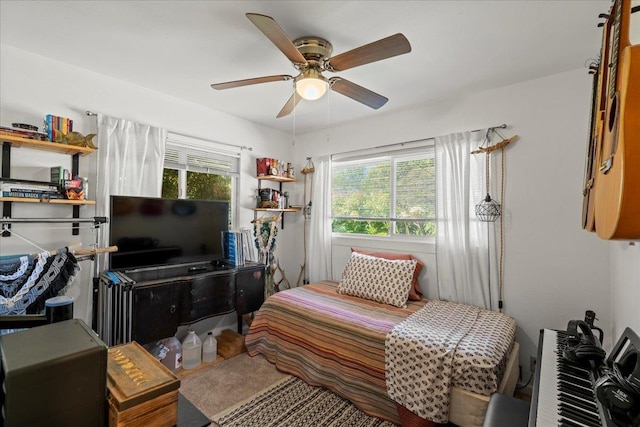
(488, 210)
(310, 85)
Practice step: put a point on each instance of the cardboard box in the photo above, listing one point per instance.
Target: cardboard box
(230, 344)
(141, 390)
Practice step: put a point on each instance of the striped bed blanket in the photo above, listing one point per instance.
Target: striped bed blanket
(338, 341)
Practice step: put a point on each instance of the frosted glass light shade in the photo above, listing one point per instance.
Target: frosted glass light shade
(311, 87)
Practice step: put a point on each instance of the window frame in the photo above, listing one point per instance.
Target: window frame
(417, 151)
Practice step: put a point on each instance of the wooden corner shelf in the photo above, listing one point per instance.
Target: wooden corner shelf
(280, 180)
(276, 178)
(277, 210)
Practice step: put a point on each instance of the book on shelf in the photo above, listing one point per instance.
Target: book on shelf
(24, 133)
(248, 245)
(58, 174)
(33, 195)
(237, 246)
(53, 124)
(8, 184)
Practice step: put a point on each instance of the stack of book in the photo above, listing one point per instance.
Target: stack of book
(23, 133)
(26, 189)
(54, 124)
(237, 247)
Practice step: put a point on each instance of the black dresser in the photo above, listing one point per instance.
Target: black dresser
(166, 297)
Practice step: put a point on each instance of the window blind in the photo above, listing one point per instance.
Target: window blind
(185, 157)
(395, 186)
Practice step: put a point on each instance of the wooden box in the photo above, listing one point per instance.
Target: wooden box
(141, 390)
(230, 344)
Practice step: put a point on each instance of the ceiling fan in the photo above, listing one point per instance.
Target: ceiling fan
(312, 55)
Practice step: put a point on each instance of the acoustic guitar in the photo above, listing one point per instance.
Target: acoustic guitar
(617, 192)
(598, 106)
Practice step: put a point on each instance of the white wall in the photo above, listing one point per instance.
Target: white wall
(625, 289)
(33, 86)
(554, 270)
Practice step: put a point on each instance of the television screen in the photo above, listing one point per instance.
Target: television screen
(154, 231)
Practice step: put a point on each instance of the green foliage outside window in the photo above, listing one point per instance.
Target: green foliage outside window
(170, 183)
(400, 191)
(200, 186)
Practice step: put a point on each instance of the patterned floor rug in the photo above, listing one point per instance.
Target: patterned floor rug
(293, 403)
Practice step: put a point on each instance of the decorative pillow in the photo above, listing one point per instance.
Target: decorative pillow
(378, 279)
(415, 294)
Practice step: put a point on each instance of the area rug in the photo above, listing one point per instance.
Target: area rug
(293, 403)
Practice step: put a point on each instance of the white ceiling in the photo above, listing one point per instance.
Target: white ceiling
(181, 47)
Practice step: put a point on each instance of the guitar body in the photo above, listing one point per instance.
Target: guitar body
(617, 192)
(618, 188)
(598, 107)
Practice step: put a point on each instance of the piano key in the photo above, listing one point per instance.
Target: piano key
(589, 418)
(564, 390)
(574, 400)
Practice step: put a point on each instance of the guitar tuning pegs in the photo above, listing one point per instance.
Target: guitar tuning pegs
(604, 15)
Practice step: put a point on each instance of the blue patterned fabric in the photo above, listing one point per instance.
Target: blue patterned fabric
(26, 282)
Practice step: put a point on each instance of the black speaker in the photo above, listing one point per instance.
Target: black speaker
(582, 346)
(53, 375)
(618, 389)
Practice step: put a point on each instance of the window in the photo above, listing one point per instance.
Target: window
(384, 194)
(194, 173)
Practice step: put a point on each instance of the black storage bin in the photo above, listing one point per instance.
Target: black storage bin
(53, 375)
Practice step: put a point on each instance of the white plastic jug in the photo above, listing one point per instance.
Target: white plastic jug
(191, 351)
(209, 348)
(173, 358)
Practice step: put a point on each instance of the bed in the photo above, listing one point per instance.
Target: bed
(338, 341)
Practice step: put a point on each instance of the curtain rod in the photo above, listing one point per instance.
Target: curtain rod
(241, 147)
(502, 126)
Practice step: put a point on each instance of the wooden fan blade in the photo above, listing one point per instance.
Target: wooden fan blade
(289, 106)
(272, 30)
(382, 49)
(357, 92)
(247, 82)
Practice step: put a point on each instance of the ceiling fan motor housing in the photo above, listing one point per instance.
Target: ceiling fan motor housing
(314, 49)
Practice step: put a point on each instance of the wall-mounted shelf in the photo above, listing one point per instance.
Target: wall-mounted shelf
(52, 201)
(277, 210)
(18, 141)
(275, 178)
(279, 180)
(10, 141)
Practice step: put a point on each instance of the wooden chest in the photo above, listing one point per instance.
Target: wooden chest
(141, 390)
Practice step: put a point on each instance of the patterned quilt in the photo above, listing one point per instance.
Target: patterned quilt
(338, 341)
(442, 341)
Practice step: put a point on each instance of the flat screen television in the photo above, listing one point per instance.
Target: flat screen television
(154, 231)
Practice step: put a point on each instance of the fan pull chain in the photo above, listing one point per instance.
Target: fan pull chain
(293, 142)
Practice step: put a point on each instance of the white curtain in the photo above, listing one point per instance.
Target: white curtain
(130, 162)
(465, 246)
(319, 248)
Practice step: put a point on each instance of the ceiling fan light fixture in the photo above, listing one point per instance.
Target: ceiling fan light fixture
(311, 85)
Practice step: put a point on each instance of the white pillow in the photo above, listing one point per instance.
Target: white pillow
(378, 279)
